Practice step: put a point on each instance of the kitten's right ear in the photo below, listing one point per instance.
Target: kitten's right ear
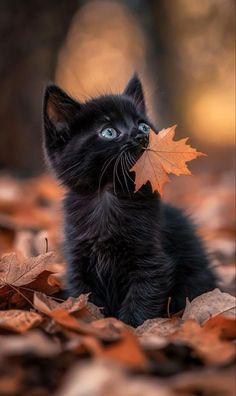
(134, 89)
(59, 112)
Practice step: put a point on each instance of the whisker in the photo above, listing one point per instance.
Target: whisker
(69, 169)
(127, 165)
(114, 179)
(72, 167)
(115, 174)
(103, 170)
(131, 159)
(124, 174)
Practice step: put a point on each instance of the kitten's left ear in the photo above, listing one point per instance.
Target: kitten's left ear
(59, 113)
(134, 89)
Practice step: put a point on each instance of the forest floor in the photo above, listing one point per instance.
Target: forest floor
(66, 348)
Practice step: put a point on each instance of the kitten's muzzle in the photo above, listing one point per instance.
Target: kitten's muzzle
(142, 139)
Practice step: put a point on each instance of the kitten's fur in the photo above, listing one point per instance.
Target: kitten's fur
(131, 251)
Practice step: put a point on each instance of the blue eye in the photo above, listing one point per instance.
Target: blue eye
(144, 127)
(109, 133)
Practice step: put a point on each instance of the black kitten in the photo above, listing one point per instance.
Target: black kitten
(131, 251)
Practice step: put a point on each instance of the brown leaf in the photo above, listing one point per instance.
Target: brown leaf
(90, 344)
(163, 156)
(20, 296)
(209, 304)
(224, 326)
(62, 317)
(153, 333)
(94, 312)
(17, 271)
(47, 304)
(206, 343)
(17, 293)
(56, 280)
(42, 285)
(159, 326)
(126, 351)
(18, 320)
(79, 306)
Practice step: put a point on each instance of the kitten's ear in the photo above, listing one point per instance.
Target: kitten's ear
(59, 113)
(134, 89)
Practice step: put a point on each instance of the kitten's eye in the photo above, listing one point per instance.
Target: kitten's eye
(109, 133)
(144, 127)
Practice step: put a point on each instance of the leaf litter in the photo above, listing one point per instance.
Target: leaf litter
(50, 345)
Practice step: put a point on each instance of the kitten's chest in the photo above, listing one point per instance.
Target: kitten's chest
(95, 228)
(105, 234)
(107, 249)
(106, 228)
(108, 274)
(101, 219)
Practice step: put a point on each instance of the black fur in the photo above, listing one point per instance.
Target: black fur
(131, 251)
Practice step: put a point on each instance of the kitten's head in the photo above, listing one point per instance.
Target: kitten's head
(94, 144)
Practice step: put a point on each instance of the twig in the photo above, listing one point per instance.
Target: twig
(168, 307)
(46, 242)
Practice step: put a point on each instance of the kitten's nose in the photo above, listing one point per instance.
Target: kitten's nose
(142, 138)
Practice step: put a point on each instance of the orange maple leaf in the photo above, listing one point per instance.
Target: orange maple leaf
(162, 156)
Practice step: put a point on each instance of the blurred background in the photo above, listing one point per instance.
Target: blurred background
(182, 49)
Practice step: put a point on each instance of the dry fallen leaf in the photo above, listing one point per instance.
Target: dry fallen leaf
(126, 351)
(206, 344)
(17, 271)
(162, 156)
(60, 313)
(20, 277)
(154, 333)
(18, 320)
(159, 326)
(209, 304)
(224, 326)
(47, 304)
(56, 279)
(79, 306)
